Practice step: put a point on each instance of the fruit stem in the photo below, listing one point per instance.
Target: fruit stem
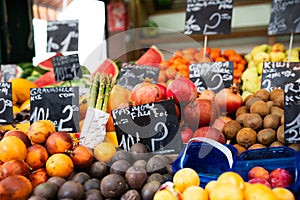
(235, 89)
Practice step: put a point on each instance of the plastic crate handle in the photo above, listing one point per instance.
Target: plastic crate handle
(212, 142)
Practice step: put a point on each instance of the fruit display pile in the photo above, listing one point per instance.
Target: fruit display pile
(38, 162)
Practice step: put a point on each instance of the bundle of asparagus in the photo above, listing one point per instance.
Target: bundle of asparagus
(100, 89)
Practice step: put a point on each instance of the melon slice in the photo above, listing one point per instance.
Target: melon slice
(46, 79)
(47, 64)
(152, 57)
(108, 67)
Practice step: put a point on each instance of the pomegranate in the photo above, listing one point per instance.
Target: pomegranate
(182, 90)
(229, 100)
(211, 133)
(200, 112)
(146, 92)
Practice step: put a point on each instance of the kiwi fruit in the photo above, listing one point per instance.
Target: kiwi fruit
(120, 167)
(271, 121)
(253, 120)
(131, 195)
(92, 183)
(241, 118)
(57, 180)
(260, 107)
(295, 146)
(136, 177)
(257, 146)
(231, 128)
(139, 151)
(280, 134)
(282, 119)
(241, 110)
(71, 190)
(93, 194)
(276, 144)
(149, 189)
(113, 186)
(98, 170)
(277, 96)
(81, 177)
(252, 100)
(266, 136)
(240, 149)
(246, 137)
(270, 104)
(46, 190)
(277, 111)
(263, 94)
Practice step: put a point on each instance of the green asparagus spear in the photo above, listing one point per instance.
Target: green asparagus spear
(94, 90)
(108, 88)
(100, 97)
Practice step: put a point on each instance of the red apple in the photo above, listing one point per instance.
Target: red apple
(211, 133)
(260, 181)
(280, 177)
(186, 134)
(258, 172)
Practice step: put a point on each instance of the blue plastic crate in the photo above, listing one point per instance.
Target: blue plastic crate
(207, 157)
(270, 158)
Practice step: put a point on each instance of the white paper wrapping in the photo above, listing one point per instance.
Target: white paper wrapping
(94, 128)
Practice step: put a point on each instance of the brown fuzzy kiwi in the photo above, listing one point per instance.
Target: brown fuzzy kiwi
(247, 98)
(282, 119)
(270, 104)
(277, 95)
(296, 147)
(252, 100)
(263, 94)
(266, 136)
(271, 121)
(276, 111)
(246, 137)
(276, 144)
(241, 118)
(240, 149)
(231, 128)
(253, 120)
(241, 110)
(280, 134)
(260, 107)
(257, 146)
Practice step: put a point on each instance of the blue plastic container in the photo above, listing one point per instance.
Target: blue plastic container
(270, 158)
(207, 157)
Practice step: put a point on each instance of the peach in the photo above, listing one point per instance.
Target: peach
(258, 172)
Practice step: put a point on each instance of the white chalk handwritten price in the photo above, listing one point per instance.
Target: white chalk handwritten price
(293, 128)
(4, 103)
(64, 44)
(160, 139)
(126, 143)
(43, 114)
(63, 73)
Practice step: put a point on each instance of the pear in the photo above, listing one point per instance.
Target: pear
(293, 53)
(259, 67)
(250, 74)
(292, 59)
(261, 57)
(259, 48)
(277, 56)
(248, 57)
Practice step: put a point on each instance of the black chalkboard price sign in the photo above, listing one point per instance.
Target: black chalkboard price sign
(208, 17)
(291, 113)
(153, 124)
(66, 67)
(8, 71)
(57, 104)
(131, 75)
(285, 17)
(62, 36)
(211, 75)
(6, 105)
(277, 74)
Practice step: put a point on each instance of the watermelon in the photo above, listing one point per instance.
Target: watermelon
(152, 57)
(46, 79)
(47, 64)
(108, 67)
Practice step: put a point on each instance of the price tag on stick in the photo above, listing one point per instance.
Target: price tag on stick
(57, 104)
(131, 75)
(211, 75)
(276, 74)
(208, 17)
(291, 113)
(66, 67)
(62, 36)
(154, 125)
(6, 105)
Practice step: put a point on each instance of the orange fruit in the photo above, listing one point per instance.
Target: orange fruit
(223, 191)
(104, 151)
(185, 178)
(195, 193)
(210, 186)
(59, 164)
(259, 191)
(231, 178)
(283, 193)
(12, 148)
(164, 194)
